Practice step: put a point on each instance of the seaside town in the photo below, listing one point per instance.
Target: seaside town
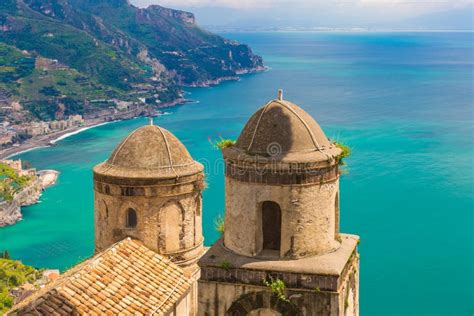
(15, 138)
(55, 100)
(314, 155)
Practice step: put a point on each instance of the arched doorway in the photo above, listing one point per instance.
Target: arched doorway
(271, 225)
(262, 303)
(264, 312)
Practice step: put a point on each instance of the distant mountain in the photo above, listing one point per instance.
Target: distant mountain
(115, 44)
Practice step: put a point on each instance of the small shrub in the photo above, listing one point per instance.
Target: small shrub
(226, 265)
(219, 224)
(278, 288)
(222, 143)
(346, 152)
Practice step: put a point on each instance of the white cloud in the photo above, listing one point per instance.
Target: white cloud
(428, 5)
(309, 12)
(236, 4)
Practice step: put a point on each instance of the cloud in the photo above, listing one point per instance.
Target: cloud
(310, 12)
(428, 5)
(241, 4)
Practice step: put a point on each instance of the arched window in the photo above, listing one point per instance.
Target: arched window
(131, 218)
(271, 225)
(106, 210)
(172, 224)
(107, 189)
(336, 209)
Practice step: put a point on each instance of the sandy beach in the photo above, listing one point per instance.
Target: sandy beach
(47, 140)
(52, 138)
(64, 136)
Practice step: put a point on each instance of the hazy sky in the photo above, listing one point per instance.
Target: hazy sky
(316, 12)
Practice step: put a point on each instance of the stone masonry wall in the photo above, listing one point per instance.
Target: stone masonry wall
(241, 290)
(111, 203)
(306, 210)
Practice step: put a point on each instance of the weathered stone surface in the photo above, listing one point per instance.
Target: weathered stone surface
(151, 173)
(148, 154)
(308, 217)
(323, 271)
(234, 298)
(282, 223)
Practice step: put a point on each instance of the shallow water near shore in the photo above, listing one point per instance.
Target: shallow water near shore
(402, 102)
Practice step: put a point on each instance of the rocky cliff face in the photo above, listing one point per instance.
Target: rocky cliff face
(104, 38)
(10, 212)
(183, 16)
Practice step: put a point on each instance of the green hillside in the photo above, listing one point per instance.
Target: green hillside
(38, 89)
(108, 48)
(12, 274)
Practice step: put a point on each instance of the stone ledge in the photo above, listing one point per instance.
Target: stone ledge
(322, 272)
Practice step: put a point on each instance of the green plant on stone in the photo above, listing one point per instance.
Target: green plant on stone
(219, 224)
(226, 265)
(222, 143)
(346, 152)
(277, 286)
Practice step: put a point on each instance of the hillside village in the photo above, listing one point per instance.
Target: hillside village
(119, 68)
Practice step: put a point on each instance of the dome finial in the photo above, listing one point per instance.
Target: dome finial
(151, 121)
(280, 94)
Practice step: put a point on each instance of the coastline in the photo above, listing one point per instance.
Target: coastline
(54, 141)
(45, 140)
(51, 139)
(237, 77)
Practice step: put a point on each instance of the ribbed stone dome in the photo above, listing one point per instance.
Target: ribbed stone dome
(149, 152)
(281, 129)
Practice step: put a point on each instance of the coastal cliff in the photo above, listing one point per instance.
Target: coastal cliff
(10, 209)
(10, 212)
(120, 52)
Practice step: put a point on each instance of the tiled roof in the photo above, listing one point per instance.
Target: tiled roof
(127, 278)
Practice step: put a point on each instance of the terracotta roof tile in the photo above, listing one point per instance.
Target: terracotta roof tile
(125, 279)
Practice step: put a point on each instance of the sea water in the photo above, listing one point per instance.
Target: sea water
(402, 101)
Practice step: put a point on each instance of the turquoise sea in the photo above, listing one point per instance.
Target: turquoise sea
(402, 101)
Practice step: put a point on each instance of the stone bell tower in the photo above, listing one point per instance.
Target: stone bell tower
(150, 189)
(281, 223)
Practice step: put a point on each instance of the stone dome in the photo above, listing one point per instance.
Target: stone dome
(283, 130)
(149, 152)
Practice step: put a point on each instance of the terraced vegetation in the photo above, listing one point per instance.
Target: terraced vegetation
(104, 49)
(11, 182)
(13, 273)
